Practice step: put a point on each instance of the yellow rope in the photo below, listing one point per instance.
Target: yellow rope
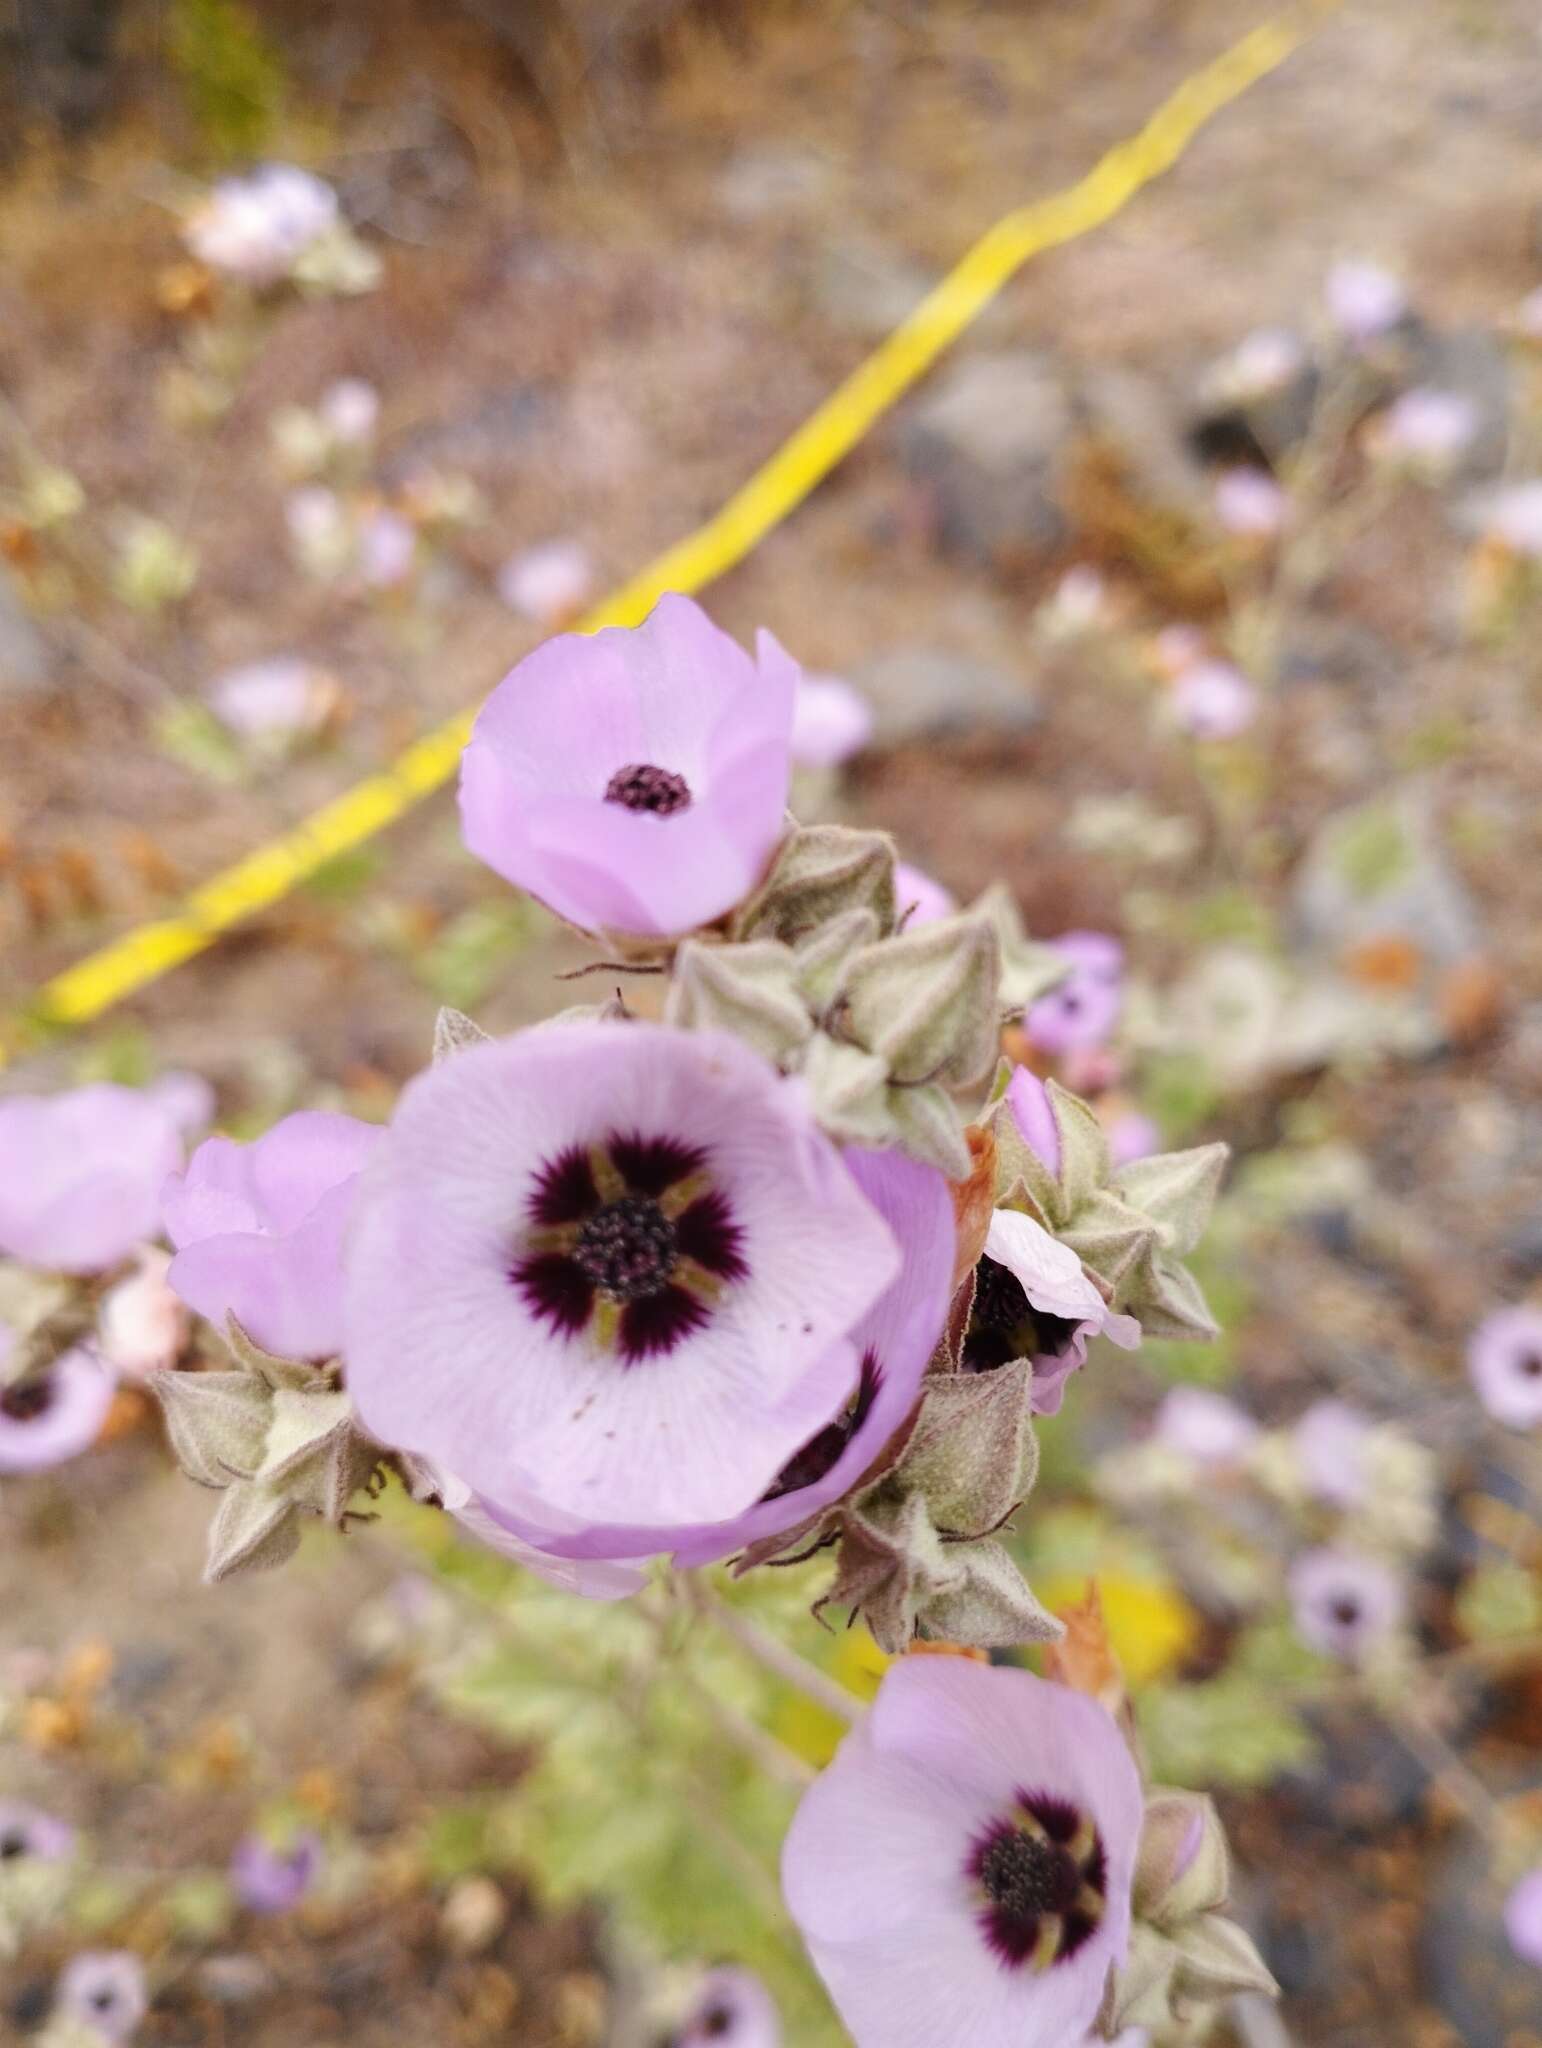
(777, 488)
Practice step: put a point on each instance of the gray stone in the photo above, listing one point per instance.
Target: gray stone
(1475, 1978)
(1135, 417)
(762, 181)
(1378, 872)
(934, 693)
(1224, 427)
(866, 289)
(991, 441)
(25, 668)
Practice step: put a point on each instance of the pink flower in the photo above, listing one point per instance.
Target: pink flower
(27, 1833)
(918, 898)
(1515, 519)
(1196, 1423)
(186, 1098)
(387, 546)
(1331, 1441)
(634, 780)
(962, 1870)
(894, 1341)
(81, 1175)
(1214, 701)
(549, 584)
(731, 2007)
(103, 1991)
(1248, 502)
(830, 722)
(1504, 1358)
(609, 1268)
(590, 1579)
(267, 1879)
(1132, 1135)
(1033, 1300)
(141, 1325)
(1262, 362)
(279, 699)
(1523, 1918)
(1084, 1009)
(1344, 1603)
(257, 228)
(259, 1230)
(1426, 430)
(1028, 1100)
(1364, 301)
(349, 410)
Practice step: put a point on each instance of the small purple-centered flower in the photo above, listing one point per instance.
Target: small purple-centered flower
(1364, 300)
(548, 584)
(918, 899)
(831, 721)
(734, 2008)
(1212, 700)
(51, 1417)
(349, 410)
(1523, 1918)
(611, 1269)
(1028, 1100)
(1504, 1358)
(27, 1834)
(81, 1175)
(269, 1879)
(1344, 1603)
(894, 1342)
(259, 1230)
(1250, 503)
(1331, 1440)
(104, 1991)
(1195, 1423)
(1033, 1300)
(634, 780)
(962, 1870)
(1082, 1010)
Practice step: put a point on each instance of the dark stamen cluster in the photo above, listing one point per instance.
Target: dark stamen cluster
(26, 1401)
(1004, 1324)
(629, 1239)
(1039, 1877)
(13, 1843)
(820, 1453)
(628, 1247)
(642, 787)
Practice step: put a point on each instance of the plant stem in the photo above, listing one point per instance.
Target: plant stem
(775, 1656)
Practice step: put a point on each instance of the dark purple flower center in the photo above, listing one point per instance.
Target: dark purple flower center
(629, 1240)
(13, 1843)
(628, 1247)
(716, 2021)
(1345, 1609)
(1004, 1324)
(820, 1453)
(27, 1401)
(1529, 1365)
(642, 787)
(1038, 1876)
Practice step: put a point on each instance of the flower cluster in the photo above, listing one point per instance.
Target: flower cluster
(793, 1264)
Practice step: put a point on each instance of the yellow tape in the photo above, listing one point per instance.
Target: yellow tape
(262, 878)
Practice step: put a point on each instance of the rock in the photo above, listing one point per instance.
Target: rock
(1138, 420)
(764, 180)
(1231, 422)
(933, 693)
(25, 668)
(990, 442)
(1377, 876)
(1475, 1978)
(867, 289)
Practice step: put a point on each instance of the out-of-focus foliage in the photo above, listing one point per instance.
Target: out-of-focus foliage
(231, 74)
